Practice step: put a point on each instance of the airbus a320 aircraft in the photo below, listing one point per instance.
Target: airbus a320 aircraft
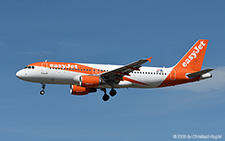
(87, 78)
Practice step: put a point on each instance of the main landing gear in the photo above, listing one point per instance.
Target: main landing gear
(112, 92)
(42, 92)
(105, 97)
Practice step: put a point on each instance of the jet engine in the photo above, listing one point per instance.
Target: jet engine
(78, 90)
(88, 81)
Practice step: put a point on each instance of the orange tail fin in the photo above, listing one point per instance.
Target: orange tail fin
(193, 59)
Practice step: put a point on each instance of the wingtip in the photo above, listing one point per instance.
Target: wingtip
(149, 59)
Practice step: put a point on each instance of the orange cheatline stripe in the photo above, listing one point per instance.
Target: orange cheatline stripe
(134, 81)
(68, 67)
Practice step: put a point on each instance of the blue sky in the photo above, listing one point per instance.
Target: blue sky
(110, 32)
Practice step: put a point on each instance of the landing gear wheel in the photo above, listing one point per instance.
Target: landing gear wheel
(105, 97)
(112, 92)
(42, 92)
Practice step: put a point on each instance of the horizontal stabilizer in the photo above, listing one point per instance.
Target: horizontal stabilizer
(199, 73)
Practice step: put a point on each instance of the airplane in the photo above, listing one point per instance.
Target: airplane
(86, 78)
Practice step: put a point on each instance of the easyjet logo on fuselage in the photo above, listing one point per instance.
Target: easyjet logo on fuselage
(194, 54)
(63, 66)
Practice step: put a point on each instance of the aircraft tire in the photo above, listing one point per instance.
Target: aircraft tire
(42, 92)
(112, 92)
(105, 97)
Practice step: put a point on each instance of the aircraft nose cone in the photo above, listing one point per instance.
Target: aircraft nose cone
(19, 74)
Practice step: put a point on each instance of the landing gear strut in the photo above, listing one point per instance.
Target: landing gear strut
(105, 96)
(42, 92)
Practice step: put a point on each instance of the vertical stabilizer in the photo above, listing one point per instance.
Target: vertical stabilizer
(193, 59)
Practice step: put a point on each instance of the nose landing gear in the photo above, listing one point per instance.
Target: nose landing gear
(42, 92)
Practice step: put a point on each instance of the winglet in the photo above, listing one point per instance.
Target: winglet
(149, 59)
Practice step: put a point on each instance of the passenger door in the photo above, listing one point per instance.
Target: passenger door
(44, 69)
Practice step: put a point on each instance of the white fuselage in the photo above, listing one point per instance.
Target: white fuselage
(146, 77)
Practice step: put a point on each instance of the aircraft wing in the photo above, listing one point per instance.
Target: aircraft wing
(199, 73)
(117, 74)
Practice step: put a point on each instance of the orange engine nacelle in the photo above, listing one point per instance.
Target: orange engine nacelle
(89, 81)
(78, 90)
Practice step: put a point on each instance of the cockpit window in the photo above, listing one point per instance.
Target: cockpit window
(29, 67)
